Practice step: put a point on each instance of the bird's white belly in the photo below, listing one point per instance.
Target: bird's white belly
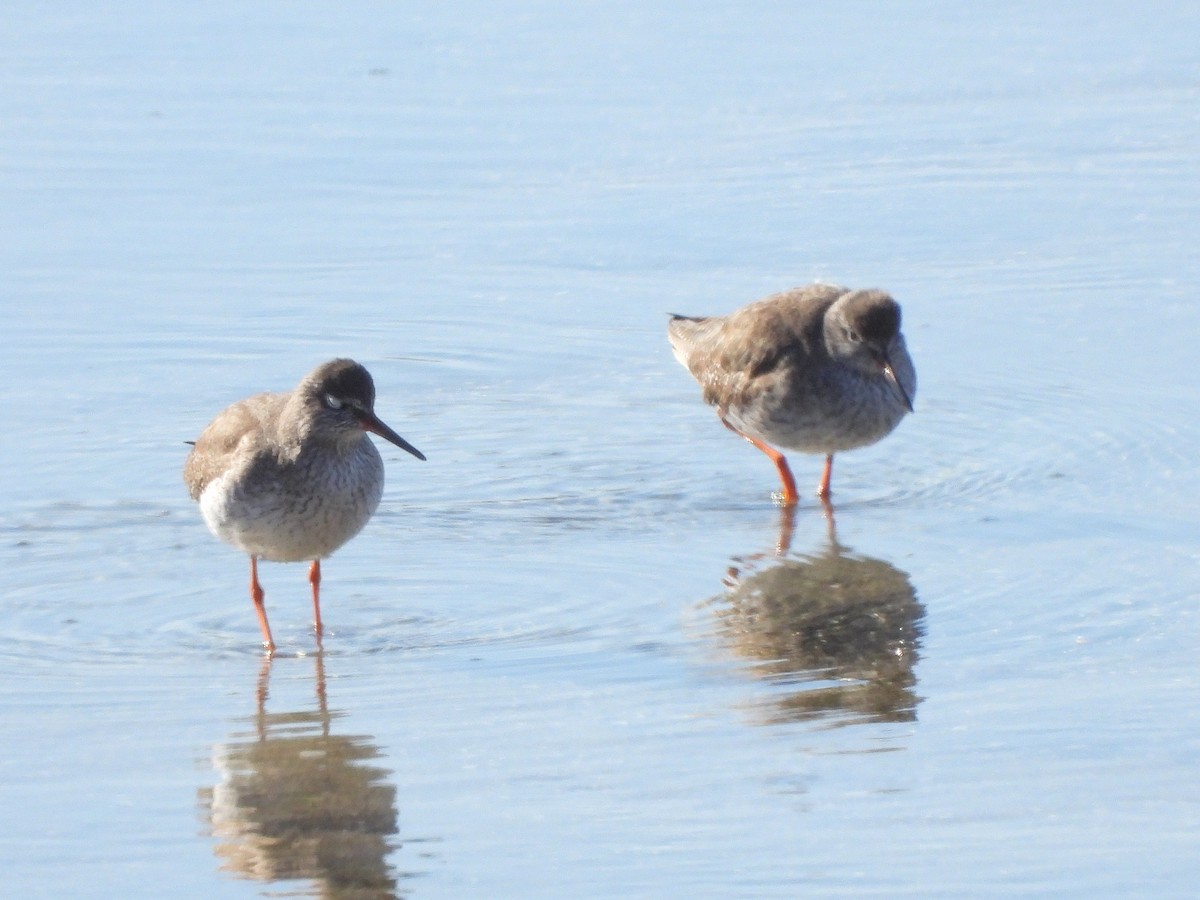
(822, 422)
(287, 526)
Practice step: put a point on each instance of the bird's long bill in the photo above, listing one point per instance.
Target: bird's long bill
(890, 374)
(372, 424)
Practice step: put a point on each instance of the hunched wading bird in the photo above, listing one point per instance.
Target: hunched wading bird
(292, 476)
(819, 369)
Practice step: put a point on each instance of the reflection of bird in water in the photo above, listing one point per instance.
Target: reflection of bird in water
(849, 623)
(297, 801)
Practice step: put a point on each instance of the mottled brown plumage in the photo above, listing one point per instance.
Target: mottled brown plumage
(819, 369)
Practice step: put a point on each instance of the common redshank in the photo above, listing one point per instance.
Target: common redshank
(819, 369)
(292, 476)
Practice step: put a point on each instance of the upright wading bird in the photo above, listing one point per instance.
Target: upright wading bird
(292, 476)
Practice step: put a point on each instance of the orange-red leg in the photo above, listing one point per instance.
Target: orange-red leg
(823, 487)
(790, 495)
(256, 594)
(314, 578)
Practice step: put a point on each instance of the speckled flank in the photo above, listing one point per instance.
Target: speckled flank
(830, 413)
(288, 511)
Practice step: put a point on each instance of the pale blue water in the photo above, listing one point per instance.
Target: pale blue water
(536, 682)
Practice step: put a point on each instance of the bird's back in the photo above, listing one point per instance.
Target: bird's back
(730, 355)
(239, 432)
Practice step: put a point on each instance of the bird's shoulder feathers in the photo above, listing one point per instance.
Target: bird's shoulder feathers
(238, 434)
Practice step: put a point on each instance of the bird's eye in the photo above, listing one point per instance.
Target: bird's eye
(852, 335)
(332, 402)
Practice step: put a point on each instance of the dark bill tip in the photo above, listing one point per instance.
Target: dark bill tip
(891, 376)
(371, 423)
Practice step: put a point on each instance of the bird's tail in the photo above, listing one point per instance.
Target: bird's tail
(686, 333)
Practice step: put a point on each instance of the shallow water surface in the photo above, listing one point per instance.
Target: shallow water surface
(579, 652)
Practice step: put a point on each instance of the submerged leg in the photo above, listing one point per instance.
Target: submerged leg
(823, 487)
(256, 594)
(314, 578)
(790, 495)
